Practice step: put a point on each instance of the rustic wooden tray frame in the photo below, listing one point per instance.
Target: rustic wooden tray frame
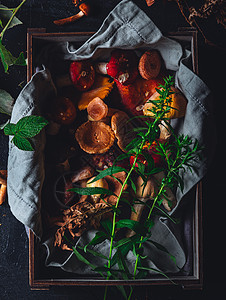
(193, 281)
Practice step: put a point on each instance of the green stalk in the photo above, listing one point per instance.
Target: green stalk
(11, 18)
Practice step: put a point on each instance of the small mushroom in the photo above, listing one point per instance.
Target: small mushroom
(3, 188)
(82, 174)
(150, 64)
(97, 109)
(123, 66)
(82, 74)
(169, 202)
(115, 186)
(143, 194)
(123, 129)
(101, 183)
(84, 11)
(95, 137)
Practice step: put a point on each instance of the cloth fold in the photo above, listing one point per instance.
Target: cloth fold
(125, 27)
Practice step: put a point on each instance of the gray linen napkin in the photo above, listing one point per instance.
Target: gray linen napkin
(125, 27)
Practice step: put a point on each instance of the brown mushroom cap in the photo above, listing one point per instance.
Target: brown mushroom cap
(3, 177)
(123, 129)
(95, 137)
(115, 186)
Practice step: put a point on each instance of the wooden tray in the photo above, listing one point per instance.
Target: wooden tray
(41, 277)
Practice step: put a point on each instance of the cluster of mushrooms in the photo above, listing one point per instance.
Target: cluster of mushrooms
(107, 129)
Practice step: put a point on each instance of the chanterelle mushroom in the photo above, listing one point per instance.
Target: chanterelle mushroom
(95, 137)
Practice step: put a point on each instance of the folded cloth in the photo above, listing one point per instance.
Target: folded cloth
(126, 27)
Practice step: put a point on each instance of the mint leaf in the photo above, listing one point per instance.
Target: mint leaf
(22, 143)
(10, 129)
(30, 126)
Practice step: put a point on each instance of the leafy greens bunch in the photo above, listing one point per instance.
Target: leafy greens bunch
(179, 155)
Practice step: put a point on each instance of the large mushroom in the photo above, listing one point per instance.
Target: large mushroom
(95, 137)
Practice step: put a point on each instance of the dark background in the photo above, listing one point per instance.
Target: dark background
(13, 238)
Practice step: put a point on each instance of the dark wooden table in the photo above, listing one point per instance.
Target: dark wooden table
(13, 238)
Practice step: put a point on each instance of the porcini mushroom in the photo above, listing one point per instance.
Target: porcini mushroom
(95, 137)
(84, 11)
(3, 188)
(122, 66)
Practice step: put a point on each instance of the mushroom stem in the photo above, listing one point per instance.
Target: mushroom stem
(3, 191)
(3, 188)
(69, 19)
(101, 68)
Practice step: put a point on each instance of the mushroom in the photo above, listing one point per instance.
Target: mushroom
(82, 74)
(169, 202)
(82, 174)
(115, 186)
(61, 111)
(101, 183)
(95, 137)
(122, 66)
(97, 109)
(123, 129)
(3, 188)
(178, 105)
(84, 11)
(143, 194)
(150, 64)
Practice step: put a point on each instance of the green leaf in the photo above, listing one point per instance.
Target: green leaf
(91, 191)
(6, 102)
(10, 129)
(82, 258)
(162, 248)
(5, 15)
(8, 59)
(107, 224)
(98, 238)
(131, 224)
(157, 271)
(22, 143)
(108, 172)
(30, 126)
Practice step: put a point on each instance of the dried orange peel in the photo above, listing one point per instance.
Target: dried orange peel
(101, 88)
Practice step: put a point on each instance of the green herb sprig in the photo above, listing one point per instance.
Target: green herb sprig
(180, 155)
